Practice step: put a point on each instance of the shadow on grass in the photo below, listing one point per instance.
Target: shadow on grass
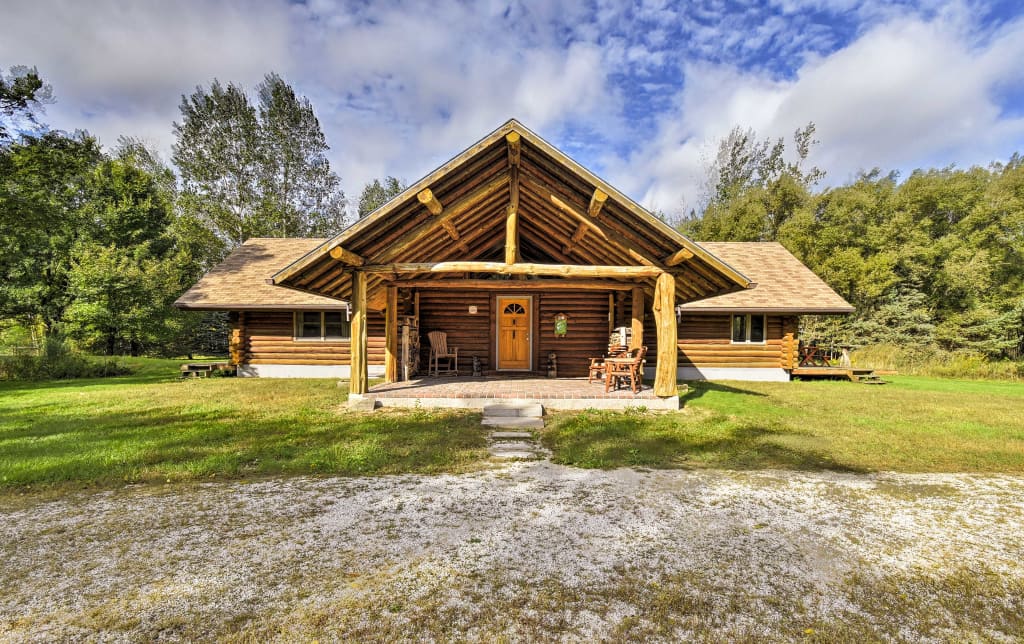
(698, 388)
(609, 440)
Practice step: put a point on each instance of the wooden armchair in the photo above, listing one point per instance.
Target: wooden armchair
(440, 351)
(597, 365)
(622, 370)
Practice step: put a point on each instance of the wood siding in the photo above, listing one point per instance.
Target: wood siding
(705, 341)
(588, 330)
(448, 311)
(268, 337)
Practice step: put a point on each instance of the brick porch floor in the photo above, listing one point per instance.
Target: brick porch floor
(475, 392)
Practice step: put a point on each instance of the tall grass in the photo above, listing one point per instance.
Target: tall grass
(56, 360)
(936, 362)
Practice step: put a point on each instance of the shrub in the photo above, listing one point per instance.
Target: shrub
(932, 361)
(57, 360)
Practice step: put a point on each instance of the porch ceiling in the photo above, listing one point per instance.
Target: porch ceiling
(473, 193)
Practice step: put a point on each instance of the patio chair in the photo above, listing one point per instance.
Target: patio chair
(597, 365)
(440, 351)
(620, 371)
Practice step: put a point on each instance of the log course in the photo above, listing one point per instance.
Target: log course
(517, 285)
(664, 307)
(360, 377)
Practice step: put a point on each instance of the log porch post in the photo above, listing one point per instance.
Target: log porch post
(664, 306)
(391, 336)
(359, 377)
(638, 318)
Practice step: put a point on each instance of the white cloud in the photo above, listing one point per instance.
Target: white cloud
(907, 93)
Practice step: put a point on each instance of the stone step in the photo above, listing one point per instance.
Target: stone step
(498, 436)
(513, 422)
(514, 450)
(530, 410)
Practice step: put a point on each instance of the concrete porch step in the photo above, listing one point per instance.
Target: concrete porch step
(513, 422)
(505, 410)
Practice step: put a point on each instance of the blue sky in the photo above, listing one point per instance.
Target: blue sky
(640, 92)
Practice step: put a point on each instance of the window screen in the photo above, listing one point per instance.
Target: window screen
(336, 326)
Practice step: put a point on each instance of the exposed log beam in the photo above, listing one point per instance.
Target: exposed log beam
(597, 202)
(577, 237)
(453, 210)
(347, 257)
(513, 138)
(664, 306)
(511, 235)
(678, 257)
(360, 375)
(427, 198)
(637, 318)
(453, 232)
(555, 270)
(391, 335)
(516, 285)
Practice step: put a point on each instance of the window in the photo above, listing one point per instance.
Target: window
(322, 325)
(748, 329)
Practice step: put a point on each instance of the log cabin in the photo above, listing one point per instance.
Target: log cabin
(516, 252)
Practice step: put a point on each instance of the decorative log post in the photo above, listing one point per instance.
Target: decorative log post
(664, 306)
(359, 377)
(391, 336)
(638, 318)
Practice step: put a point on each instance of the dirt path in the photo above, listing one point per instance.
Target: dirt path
(531, 550)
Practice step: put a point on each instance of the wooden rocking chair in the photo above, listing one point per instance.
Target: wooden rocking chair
(440, 351)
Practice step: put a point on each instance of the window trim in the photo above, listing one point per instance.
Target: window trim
(297, 324)
(748, 326)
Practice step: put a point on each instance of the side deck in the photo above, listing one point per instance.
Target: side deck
(867, 376)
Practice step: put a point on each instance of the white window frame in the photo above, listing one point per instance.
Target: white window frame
(747, 326)
(297, 323)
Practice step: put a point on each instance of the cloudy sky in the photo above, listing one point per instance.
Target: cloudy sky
(639, 93)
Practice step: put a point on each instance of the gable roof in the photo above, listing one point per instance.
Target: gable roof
(783, 284)
(475, 188)
(240, 281)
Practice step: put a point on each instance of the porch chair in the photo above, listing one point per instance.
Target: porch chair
(633, 371)
(439, 350)
(597, 365)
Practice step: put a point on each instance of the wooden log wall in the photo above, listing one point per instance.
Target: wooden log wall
(448, 311)
(268, 338)
(705, 341)
(588, 330)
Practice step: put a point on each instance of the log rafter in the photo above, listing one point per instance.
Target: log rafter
(500, 268)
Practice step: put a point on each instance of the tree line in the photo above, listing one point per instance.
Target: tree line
(935, 261)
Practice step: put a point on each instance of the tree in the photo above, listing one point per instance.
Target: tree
(248, 172)
(300, 191)
(377, 193)
(22, 92)
(42, 197)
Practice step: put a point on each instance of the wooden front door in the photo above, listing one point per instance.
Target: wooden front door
(514, 327)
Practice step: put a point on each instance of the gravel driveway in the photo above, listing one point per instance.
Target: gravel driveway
(529, 551)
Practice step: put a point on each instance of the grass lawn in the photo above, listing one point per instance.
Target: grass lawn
(151, 426)
(913, 424)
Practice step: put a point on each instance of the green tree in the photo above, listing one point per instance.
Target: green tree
(251, 172)
(377, 193)
(42, 198)
(22, 93)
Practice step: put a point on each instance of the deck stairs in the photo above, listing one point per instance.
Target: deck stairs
(510, 427)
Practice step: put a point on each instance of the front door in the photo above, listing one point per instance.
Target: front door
(514, 333)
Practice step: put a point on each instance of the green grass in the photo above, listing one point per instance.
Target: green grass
(151, 426)
(913, 424)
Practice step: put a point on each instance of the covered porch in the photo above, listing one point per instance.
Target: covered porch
(476, 392)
